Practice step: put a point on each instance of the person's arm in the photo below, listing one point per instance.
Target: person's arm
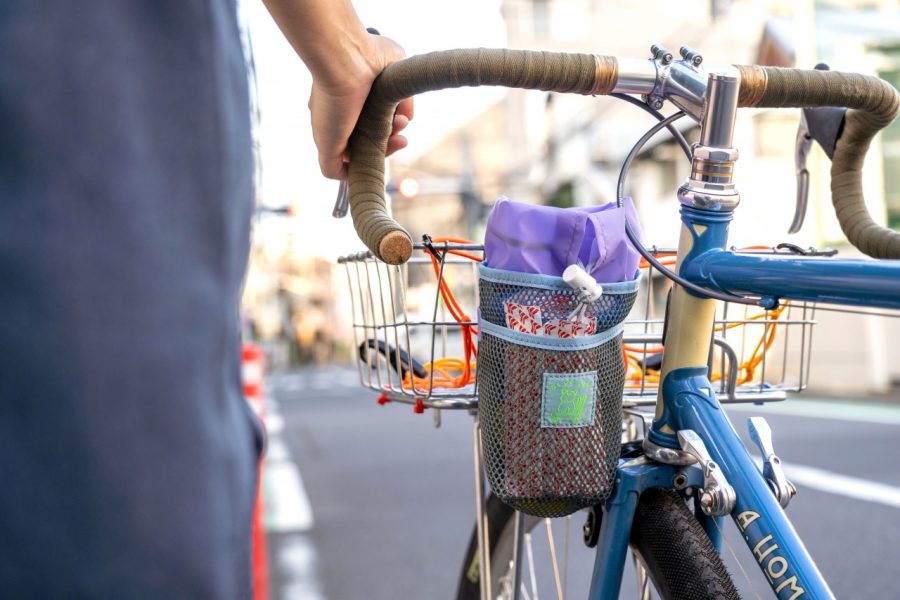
(344, 60)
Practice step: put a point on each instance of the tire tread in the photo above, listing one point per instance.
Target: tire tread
(680, 558)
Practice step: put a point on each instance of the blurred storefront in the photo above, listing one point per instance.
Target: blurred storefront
(289, 299)
(567, 150)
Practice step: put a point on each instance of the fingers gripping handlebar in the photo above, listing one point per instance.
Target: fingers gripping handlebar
(873, 103)
(548, 71)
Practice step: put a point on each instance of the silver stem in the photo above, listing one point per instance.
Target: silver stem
(721, 107)
(636, 76)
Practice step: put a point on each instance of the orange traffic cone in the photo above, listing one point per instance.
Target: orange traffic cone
(253, 372)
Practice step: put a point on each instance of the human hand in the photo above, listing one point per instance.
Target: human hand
(337, 100)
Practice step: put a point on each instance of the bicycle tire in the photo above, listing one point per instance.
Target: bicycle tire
(677, 553)
(666, 537)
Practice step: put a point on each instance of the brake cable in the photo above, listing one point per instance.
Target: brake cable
(665, 122)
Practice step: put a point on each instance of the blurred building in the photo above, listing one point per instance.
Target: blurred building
(567, 150)
(289, 298)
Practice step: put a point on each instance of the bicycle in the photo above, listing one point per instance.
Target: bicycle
(690, 452)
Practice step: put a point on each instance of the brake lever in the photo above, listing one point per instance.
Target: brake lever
(342, 204)
(803, 146)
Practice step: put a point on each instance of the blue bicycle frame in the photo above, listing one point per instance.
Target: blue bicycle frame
(689, 402)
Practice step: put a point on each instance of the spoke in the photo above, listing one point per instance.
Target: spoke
(565, 565)
(643, 582)
(506, 584)
(524, 591)
(553, 561)
(733, 555)
(479, 512)
(530, 551)
(516, 564)
(487, 556)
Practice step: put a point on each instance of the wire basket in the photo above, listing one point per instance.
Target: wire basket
(416, 340)
(411, 345)
(757, 355)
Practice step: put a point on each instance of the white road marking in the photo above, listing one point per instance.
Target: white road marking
(292, 385)
(297, 560)
(859, 412)
(288, 513)
(277, 450)
(287, 505)
(274, 424)
(844, 485)
(317, 380)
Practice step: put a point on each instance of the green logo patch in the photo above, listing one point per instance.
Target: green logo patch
(567, 399)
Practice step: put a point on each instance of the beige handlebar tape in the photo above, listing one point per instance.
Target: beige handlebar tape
(548, 71)
(873, 105)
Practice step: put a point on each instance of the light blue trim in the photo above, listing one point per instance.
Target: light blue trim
(550, 282)
(544, 342)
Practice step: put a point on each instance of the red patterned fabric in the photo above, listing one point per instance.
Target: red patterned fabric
(550, 462)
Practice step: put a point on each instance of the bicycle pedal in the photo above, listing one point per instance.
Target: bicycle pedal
(773, 473)
(717, 497)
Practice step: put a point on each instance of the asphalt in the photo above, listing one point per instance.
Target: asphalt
(392, 496)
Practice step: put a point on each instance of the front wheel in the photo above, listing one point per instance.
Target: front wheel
(667, 541)
(675, 551)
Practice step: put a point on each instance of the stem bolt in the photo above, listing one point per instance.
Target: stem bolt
(691, 55)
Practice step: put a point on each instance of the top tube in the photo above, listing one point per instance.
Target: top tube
(856, 282)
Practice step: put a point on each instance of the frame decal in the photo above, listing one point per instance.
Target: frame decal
(774, 566)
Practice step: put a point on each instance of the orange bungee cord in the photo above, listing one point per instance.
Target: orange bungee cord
(449, 372)
(453, 372)
(634, 356)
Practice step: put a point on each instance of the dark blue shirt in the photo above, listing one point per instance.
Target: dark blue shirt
(127, 455)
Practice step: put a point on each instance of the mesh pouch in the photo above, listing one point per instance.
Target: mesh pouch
(550, 391)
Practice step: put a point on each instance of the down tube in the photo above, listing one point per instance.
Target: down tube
(776, 547)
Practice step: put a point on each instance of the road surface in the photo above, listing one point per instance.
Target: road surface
(373, 502)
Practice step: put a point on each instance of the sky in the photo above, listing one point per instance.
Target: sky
(290, 171)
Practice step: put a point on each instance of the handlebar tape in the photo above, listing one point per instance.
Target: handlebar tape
(872, 102)
(873, 105)
(547, 71)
